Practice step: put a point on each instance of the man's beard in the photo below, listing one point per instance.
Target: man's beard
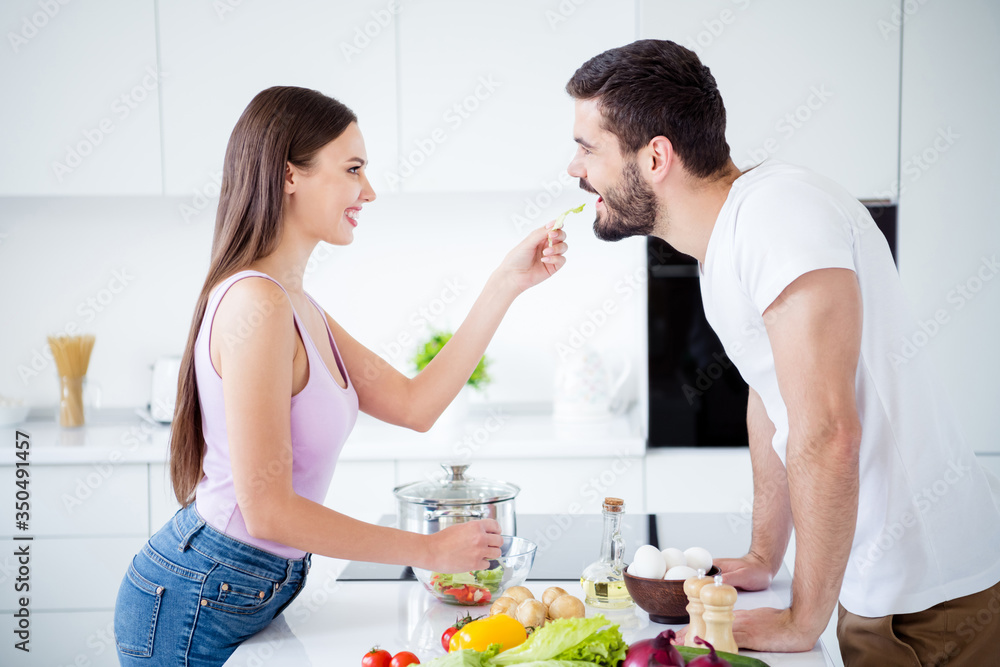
(630, 208)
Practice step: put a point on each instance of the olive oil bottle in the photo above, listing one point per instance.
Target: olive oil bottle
(602, 581)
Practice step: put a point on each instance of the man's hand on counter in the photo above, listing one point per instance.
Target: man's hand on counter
(748, 573)
(769, 629)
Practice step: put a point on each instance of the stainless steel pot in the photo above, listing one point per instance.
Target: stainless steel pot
(429, 506)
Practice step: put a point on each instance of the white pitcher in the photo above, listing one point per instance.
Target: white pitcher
(584, 387)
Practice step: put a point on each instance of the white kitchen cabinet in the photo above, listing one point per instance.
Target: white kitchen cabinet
(362, 489)
(556, 486)
(694, 480)
(75, 573)
(482, 99)
(81, 115)
(808, 83)
(162, 503)
(67, 639)
(220, 55)
(96, 499)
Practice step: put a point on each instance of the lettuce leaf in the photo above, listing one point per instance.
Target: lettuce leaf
(562, 216)
(556, 638)
(488, 579)
(605, 648)
(465, 658)
(567, 642)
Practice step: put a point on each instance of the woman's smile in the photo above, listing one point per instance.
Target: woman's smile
(352, 215)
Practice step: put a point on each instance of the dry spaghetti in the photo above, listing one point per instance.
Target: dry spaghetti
(72, 356)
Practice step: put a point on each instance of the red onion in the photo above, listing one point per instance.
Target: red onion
(656, 652)
(708, 660)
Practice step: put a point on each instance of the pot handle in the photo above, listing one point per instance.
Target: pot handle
(434, 515)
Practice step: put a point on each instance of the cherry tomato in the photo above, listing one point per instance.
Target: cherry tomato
(377, 658)
(404, 658)
(460, 623)
(446, 637)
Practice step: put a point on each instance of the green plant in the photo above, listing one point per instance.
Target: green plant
(480, 377)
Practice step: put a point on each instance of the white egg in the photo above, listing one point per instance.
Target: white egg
(680, 572)
(698, 559)
(648, 563)
(674, 557)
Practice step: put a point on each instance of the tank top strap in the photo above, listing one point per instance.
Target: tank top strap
(216, 296)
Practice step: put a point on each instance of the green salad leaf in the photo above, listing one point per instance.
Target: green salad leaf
(605, 648)
(488, 579)
(562, 216)
(566, 642)
(569, 639)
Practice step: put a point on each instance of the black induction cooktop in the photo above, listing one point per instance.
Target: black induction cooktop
(567, 543)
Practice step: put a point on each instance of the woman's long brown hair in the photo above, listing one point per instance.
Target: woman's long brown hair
(280, 125)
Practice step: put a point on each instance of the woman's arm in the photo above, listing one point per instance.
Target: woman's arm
(388, 395)
(256, 369)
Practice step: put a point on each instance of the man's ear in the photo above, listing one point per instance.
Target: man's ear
(659, 158)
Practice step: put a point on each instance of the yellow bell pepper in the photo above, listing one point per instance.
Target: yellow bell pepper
(478, 635)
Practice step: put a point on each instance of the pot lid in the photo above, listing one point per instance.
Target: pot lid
(456, 489)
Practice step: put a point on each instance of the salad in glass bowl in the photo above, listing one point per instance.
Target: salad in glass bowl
(480, 587)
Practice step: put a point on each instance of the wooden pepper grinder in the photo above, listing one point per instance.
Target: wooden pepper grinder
(692, 588)
(718, 599)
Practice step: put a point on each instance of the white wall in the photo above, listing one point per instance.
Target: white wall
(949, 234)
(410, 250)
(56, 253)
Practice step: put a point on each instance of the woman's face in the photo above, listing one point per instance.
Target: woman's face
(326, 200)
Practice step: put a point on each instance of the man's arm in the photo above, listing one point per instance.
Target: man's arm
(815, 332)
(772, 514)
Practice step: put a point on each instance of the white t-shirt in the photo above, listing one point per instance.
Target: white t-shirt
(928, 525)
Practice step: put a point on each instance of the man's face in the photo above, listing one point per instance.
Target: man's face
(626, 205)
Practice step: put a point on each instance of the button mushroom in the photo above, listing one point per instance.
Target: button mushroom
(567, 606)
(551, 593)
(531, 613)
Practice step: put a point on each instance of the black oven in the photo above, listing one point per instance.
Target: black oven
(697, 398)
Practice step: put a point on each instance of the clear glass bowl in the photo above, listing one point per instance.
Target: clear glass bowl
(483, 586)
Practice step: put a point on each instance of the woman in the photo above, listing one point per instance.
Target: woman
(270, 387)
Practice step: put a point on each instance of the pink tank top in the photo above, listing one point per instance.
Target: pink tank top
(322, 416)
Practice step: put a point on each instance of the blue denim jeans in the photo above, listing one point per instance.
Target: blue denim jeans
(193, 594)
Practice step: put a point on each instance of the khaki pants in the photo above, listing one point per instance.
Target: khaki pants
(964, 632)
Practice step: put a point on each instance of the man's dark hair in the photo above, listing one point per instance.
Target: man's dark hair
(652, 88)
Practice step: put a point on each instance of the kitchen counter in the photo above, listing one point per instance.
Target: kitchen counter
(122, 435)
(333, 622)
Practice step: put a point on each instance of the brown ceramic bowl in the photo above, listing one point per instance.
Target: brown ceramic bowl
(663, 600)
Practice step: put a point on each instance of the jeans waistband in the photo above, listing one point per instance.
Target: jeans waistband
(195, 532)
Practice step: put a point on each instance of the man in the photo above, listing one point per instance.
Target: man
(852, 447)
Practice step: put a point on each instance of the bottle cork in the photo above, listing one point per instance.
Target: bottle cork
(695, 608)
(718, 599)
(614, 505)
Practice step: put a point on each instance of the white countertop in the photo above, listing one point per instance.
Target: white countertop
(120, 435)
(334, 622)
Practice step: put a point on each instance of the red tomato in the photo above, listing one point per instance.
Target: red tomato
(377, 658)
(404, 658)
(460, 623)
(446, 637)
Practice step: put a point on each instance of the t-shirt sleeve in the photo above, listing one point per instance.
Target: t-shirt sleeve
(784, 231)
